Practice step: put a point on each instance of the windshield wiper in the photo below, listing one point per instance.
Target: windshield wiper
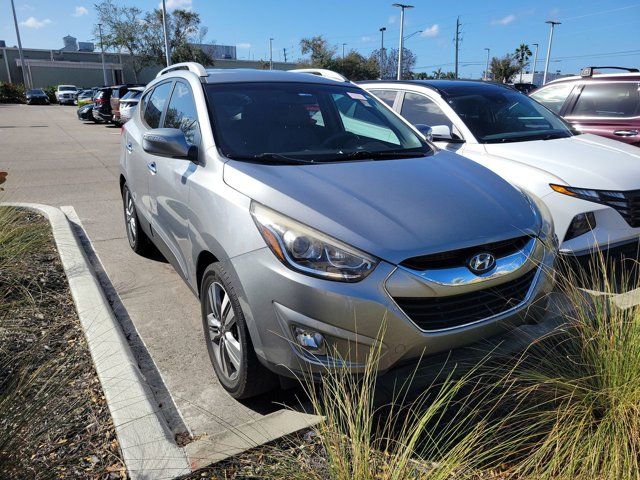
(381, 155)
(273, 158)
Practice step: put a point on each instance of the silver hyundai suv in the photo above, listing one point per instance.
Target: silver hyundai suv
(305, 215)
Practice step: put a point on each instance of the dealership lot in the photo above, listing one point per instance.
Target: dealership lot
(53, 159)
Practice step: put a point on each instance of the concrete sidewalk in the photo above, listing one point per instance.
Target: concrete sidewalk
(54, 159)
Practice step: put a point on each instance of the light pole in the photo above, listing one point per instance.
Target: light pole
(486, 70)
(546, 63)
(104, 69)
(382, 55)
(25, 75)
(166, 34)
(402, 7)
(343, 45)
(270, 53)
(535, 61)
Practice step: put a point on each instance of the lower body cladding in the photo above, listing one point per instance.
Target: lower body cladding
(288, 312)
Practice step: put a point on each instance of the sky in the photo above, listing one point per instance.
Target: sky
(593, 32)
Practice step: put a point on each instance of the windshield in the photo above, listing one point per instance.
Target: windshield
(306, 123)
(503, 115)
(36, 91)
(67, 88)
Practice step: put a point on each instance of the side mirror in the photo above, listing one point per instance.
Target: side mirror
(425, 130)
(441, 132)
(169, 142)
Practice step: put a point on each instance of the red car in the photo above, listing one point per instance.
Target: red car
(598, 103)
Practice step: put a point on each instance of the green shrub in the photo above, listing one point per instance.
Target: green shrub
(11, 93)
(51, 93)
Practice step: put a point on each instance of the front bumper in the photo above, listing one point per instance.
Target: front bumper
(355, 316)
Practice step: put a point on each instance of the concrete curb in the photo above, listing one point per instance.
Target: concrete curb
(147, 444)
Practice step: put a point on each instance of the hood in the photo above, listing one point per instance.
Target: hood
(393, 209)
(586, 161)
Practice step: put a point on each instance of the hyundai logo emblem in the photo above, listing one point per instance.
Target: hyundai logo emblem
(481, 263)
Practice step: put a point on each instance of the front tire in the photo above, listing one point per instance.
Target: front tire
(228, 342)
(138, 240)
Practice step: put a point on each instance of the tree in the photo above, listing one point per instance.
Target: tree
(356, 67)
(503, 68)
(408, 62)
(321, 54)
(522, 55)
(122, 29)
(183, 29)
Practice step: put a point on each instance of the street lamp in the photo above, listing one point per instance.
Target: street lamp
(25, 75)
(382, 55)
(546, 65)
(535, 61)
(166, 34)
(402, 8)
(104, 69)
(414, 33)
(486, 70)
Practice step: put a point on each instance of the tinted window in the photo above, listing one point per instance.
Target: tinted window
(387, 96)
(155, 104)
(181, 113)
(501, 115)
(420, 109)
(307, 121)
(608, 100)
(553, 96)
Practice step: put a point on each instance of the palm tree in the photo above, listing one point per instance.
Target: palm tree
(437, 73)
(522, 55)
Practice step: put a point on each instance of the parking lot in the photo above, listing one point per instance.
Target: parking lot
(52, 158)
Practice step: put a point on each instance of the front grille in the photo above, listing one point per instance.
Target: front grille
(438, 313)
(457, 258)
(626, 204)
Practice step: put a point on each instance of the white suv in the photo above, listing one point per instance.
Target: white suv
(591, 184)
(66, 94)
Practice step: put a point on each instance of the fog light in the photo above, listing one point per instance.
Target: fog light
(581, 224)
(311, 341)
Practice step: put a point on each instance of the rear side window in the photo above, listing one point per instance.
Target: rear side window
(617, 100)
(419, 109)
(387, 96)
(155, 104)
(181, 113)
(553, 96)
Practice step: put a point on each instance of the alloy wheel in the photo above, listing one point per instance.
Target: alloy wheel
(223, 332)
(130, 216)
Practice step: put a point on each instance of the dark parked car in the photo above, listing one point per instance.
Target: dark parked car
(117, 92)
(525, 88)
(36, 95)
(102, 106)
(85, 113)
(602, 104)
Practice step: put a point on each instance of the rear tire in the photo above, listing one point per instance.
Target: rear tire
(228, 341)
(138, 239)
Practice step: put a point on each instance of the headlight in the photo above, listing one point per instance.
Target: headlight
(587, 194)
(546, 219)
(308, 251)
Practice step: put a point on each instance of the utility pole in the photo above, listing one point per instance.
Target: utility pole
(343, 45)
(457, 43)
(104, 69)
(486, 70)
(402, 7)
(284, 52)
(25, 76)
(546, 64)
(270, 53)
(535, 61)
(382, 52)
(166, 34)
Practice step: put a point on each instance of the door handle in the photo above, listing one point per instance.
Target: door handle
(626, 133)
(152, 167)
(129, 147)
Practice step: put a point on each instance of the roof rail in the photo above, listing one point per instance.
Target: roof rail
(322, 72)
(191, 66)
(589, 71)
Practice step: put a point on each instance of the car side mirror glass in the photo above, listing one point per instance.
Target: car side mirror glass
(425, 130)
(441, 132)
(168, 142)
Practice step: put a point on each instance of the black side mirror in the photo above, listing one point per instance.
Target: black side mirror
(169, 142)
(425, 130)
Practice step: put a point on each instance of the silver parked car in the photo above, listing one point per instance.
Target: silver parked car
(305, 214)
(129, 102)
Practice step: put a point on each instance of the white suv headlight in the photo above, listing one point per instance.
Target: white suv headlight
(308, 251)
